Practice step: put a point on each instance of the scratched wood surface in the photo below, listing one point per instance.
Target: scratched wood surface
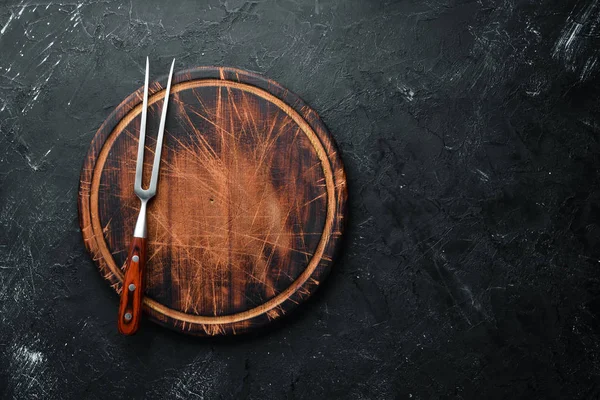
(250, 204)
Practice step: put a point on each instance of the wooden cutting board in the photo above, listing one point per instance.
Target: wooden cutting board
(250, 204)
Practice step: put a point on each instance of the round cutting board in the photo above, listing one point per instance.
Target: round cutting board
(250, 203)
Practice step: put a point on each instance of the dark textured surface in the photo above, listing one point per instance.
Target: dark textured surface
(469, 130)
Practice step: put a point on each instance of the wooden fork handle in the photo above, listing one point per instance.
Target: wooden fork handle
(130, 307)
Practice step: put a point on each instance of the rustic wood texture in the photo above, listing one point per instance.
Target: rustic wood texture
(250, 205)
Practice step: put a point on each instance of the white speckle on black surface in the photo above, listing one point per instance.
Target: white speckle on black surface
(577, 46)
(30, 376)
(469, 130)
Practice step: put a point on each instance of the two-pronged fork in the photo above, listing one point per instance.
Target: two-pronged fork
(130, 307)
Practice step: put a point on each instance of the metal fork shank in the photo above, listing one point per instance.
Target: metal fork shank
(141, 229)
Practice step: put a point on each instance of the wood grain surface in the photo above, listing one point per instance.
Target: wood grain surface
(250, 205)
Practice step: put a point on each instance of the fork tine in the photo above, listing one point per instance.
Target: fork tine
(139, 166)
(161, 131)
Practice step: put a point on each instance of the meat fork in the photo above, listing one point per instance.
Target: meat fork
(130, 307)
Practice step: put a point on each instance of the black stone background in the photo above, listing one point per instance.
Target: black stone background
(470, 133)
